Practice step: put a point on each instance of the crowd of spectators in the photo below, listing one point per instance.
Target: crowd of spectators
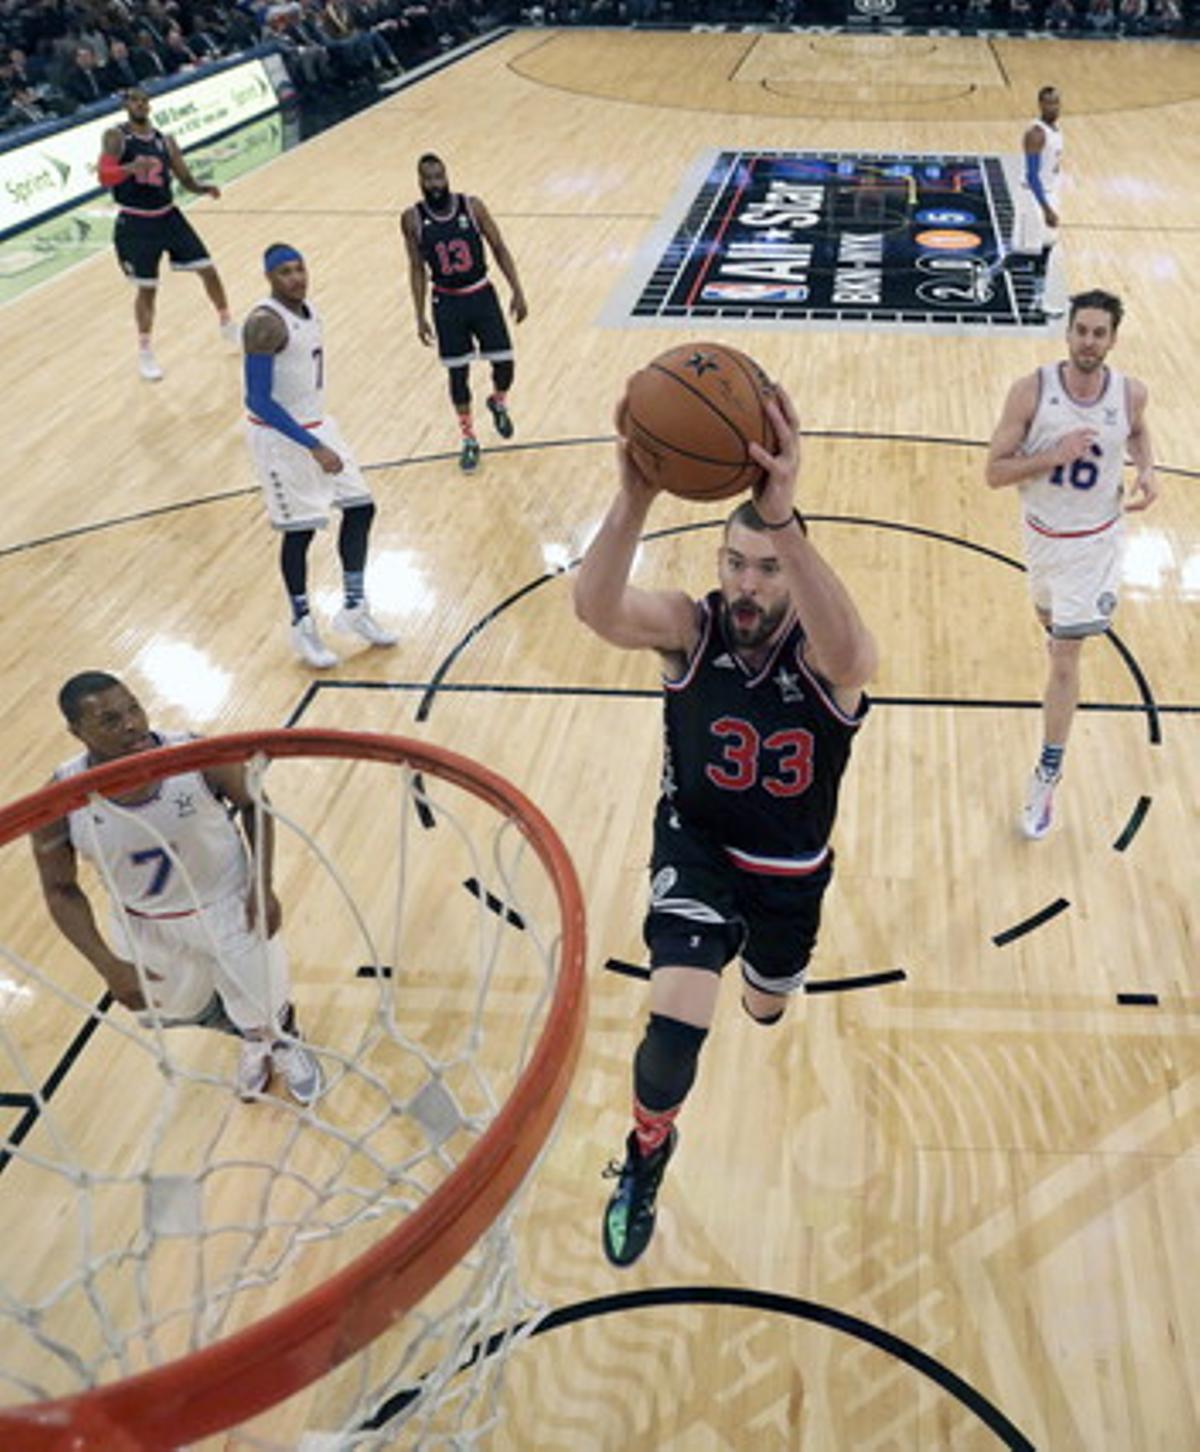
(59, 55)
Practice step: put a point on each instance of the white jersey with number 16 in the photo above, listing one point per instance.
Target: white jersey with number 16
(1084, 496)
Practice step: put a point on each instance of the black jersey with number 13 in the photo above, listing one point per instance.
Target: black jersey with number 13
(453, 246)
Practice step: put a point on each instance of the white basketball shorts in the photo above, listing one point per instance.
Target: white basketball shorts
(296, 490)
(1075, 581)
(1031, 235)
(207, 952)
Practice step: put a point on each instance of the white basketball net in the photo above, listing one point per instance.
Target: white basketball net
(147, 1211)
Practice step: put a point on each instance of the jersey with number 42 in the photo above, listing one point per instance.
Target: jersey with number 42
(1082, 496)
(168, 855)
(754, 759)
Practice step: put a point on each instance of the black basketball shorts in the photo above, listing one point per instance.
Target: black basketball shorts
(470, 325)
(705, 911)
(141, 242)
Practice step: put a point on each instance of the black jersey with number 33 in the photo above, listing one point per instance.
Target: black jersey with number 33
(453, 246)
(153, 194)
(755, 759)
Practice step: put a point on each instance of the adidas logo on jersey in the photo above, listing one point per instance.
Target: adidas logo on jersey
(725, 662)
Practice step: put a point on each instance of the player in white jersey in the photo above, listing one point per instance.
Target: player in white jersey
(1063, 439)
(185, 945)
(303, 463)
(1036, 230)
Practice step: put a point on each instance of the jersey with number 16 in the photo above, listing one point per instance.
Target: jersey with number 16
(1081, 496)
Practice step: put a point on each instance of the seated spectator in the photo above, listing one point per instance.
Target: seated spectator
(1131, 17)
(1101, 16)
(177, 55)
(81, 79)
(1167, 17)
(145, 57)
(350, 47)
(118, 74)
(306, 58)
(1020, 15)
(24, 109)
(1060, 15)
(977, 12)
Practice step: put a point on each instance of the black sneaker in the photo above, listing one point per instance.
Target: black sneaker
(501, 418)
(468, 459)
(629, 1214)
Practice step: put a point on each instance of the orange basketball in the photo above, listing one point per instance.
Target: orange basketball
(692, 414)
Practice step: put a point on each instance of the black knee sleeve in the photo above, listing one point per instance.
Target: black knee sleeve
(352, 537)
(664, 1067)
(293, 559)
(460, 385)
(502, 375)
(765, 1019)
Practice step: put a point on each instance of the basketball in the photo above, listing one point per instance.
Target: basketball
(691, 415)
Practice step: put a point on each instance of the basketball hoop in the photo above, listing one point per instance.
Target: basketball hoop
(180, 1373)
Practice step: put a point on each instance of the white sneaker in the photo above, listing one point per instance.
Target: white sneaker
(148, 366)
(254, 1068)
(1038, 811)
(232, 333)
(300, 1070)
(309, 646)
(358, 620)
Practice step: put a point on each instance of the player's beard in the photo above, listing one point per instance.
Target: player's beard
(749, 633)
(436, 197)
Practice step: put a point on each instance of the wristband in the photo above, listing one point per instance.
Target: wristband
(794, 518)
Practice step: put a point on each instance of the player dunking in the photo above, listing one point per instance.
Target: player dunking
(763, 695)
(1062, 439)
(302, 461)
(137, 161)
(445, 234)
(186, 901)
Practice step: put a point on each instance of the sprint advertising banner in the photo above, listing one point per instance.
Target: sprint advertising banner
(55, 170)
(835, 239)
(36, 253)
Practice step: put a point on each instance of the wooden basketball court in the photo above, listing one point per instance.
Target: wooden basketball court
(992, 1161)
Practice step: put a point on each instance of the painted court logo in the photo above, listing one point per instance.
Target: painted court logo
(835, 239)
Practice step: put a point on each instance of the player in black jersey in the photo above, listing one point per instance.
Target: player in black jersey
(137, 161)
(763, 686)
(445, 233)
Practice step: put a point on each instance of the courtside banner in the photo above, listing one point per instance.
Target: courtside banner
(54, 170)
(834, 239)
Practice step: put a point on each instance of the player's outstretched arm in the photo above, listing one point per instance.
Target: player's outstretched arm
(838, 645)
(418, 282)
(1006, 464)
(1141, 451)
(663, 620)
(504, 258)
(183, 174)
(229, 782)
(72, 913)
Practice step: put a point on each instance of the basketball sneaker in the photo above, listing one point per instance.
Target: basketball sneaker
(148, 366)
(630, 1212)
(501, 418)
(309, 646)
(358, 620)
(254, 1068)
(1038, 811)
(468, 459)
(300, 1070)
